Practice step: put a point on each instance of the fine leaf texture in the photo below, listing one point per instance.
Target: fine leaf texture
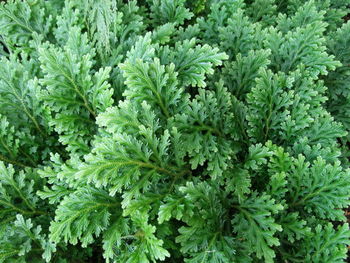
(174, 131)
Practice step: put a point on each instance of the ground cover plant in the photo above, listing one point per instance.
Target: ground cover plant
(174, 131)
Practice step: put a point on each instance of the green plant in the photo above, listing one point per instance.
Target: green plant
(175, 131)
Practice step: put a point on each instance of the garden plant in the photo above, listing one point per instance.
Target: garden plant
(174, 131)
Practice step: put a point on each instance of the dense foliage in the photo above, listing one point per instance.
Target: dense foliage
(175, 131)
